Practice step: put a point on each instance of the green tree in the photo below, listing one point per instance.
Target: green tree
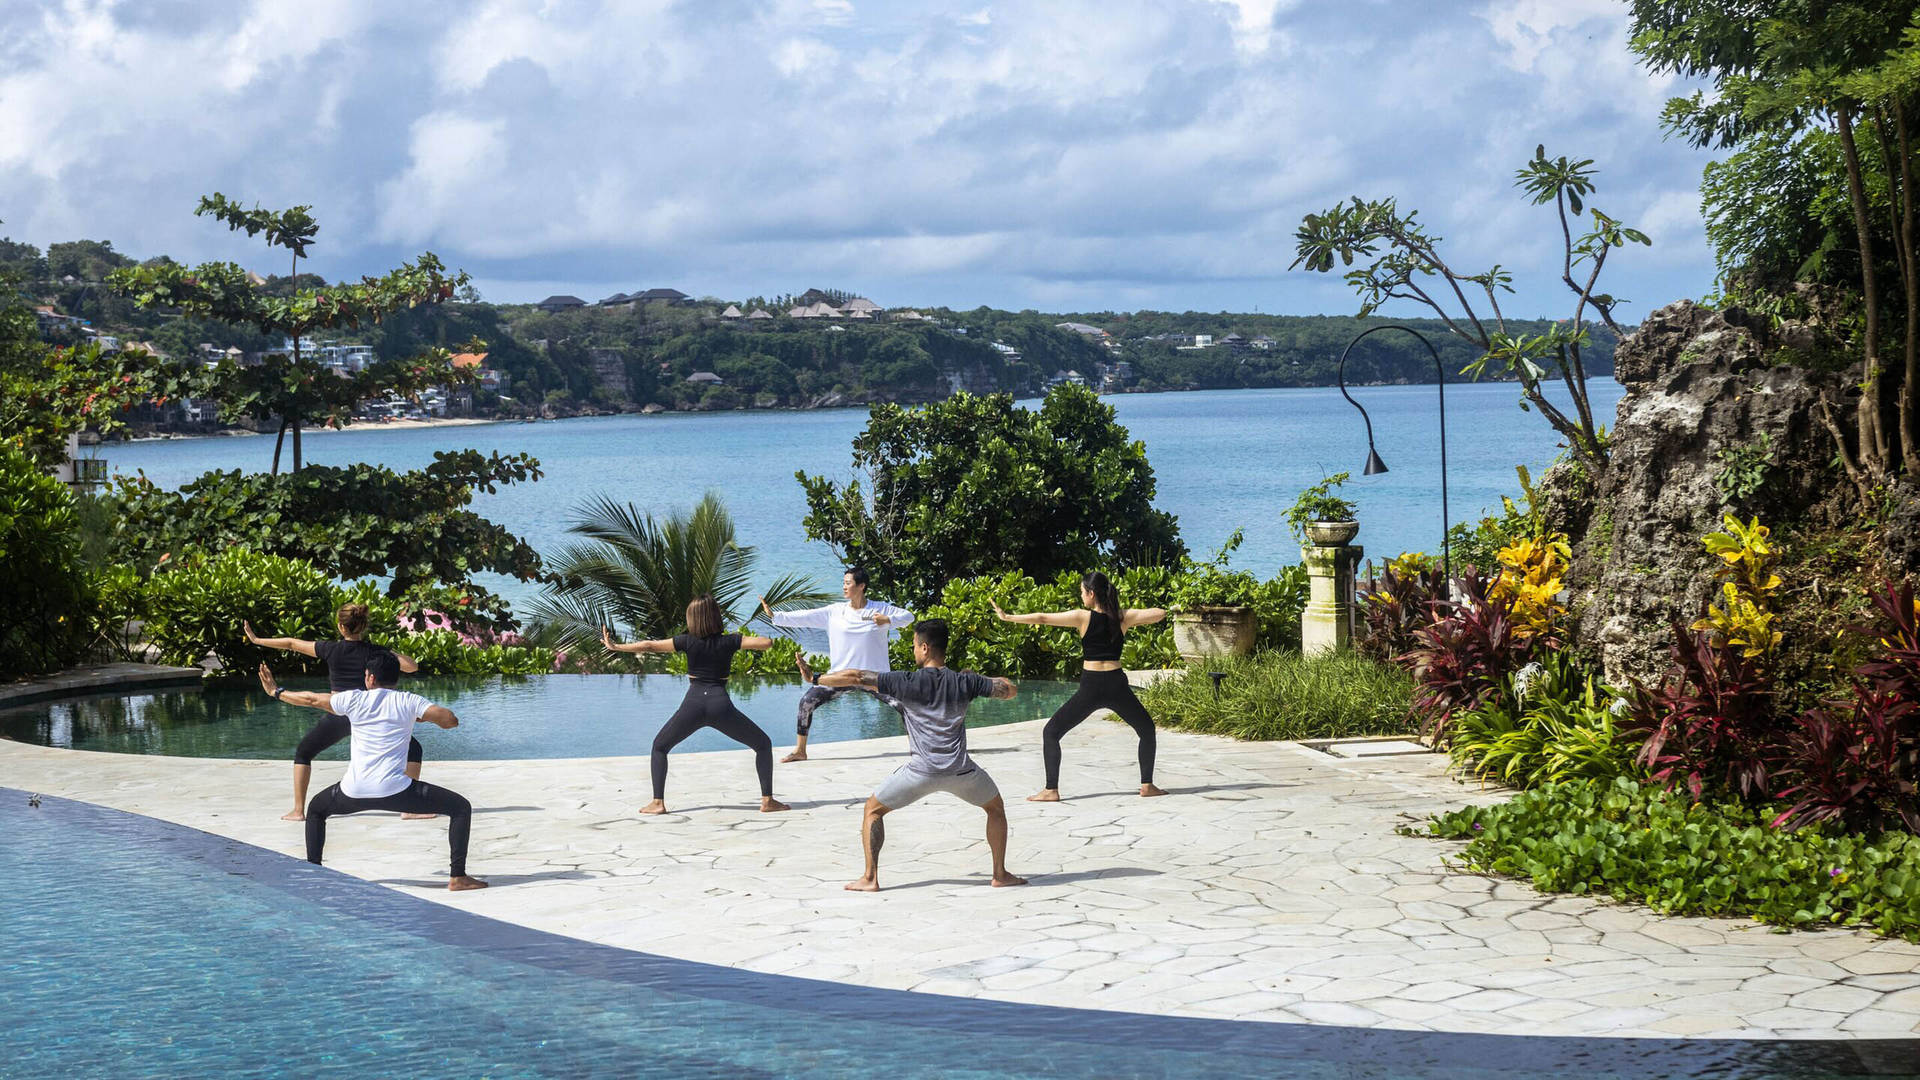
(636, 574)
(973, 486)
(350, 522)
(1401, 261)
(1781, 69)
(46, 602)
(295, 388)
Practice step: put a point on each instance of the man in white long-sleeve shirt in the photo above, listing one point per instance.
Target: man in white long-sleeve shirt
(857, 633)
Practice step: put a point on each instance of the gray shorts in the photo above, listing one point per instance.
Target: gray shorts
(906, 787)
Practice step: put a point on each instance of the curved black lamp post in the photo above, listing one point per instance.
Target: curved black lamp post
(1374, 464)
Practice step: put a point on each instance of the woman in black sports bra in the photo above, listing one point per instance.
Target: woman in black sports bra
(709, 660)
(1103, 625)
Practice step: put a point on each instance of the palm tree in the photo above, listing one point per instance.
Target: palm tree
(637, 574)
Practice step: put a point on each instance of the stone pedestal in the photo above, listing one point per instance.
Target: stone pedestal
(1327, 623)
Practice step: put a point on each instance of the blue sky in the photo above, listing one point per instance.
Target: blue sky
(1063, 155)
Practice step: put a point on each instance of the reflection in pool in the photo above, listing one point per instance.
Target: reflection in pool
(546, 716)
(138, 948)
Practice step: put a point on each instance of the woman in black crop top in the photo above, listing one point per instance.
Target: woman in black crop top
(1103, 625)
(709, 660)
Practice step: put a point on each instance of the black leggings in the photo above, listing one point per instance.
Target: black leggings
(707, 705)
(1098, 690)
(330, 730)
(418, 797)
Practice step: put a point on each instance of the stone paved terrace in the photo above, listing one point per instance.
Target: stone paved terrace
(1269, 886)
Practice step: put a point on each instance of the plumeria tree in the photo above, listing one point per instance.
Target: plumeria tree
(293, 387)
(1398, 259)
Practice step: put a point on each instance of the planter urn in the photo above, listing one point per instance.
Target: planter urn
(1332, 533)
(1332, 566)
(1209, 630)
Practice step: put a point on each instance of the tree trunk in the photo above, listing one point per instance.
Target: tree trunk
(1910, 382)
(277, 441)
(296, 446)
(1875, 452)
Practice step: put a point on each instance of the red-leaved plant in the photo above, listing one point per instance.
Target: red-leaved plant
(1467, 655)
(1393, 605)
(1710, 722)
(1858, 761)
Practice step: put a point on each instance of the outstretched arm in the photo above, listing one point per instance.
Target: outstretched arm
(1133, 617)
(284, 644)
(439, 716)
(1004, 688)
(755, 643)
(1075, 619)
(813, 617)
(852, 677)
(306, 698)
(407, 663)
(657, 645)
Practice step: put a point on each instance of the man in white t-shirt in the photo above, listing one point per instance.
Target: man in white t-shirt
(857, 635)
(382, 720)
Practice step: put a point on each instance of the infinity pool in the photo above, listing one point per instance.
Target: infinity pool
(137, 948)
(546, 716)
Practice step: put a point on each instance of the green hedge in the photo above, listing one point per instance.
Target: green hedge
(46, 600)
(1638, 843)
(981, 642)
(1283, 695)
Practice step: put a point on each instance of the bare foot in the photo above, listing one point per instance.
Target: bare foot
(1004, 879)
(657, 806)
(418, 817)
(463, 883)
(770, 805)
(1148, 791)
(865, 884)
(797, 755)
(1049, 795)
(800, 661)
(294, 815)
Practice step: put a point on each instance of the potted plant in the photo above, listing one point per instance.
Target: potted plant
(1213, 612)
(1322, 518)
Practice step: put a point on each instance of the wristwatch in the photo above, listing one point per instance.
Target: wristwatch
(277, 691)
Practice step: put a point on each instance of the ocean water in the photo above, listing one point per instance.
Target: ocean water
(1223, 460)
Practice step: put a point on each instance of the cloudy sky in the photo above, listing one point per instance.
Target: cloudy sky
(1058, 154)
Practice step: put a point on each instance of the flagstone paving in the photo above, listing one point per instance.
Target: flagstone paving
(1270, 885)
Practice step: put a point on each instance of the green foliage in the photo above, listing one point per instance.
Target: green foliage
(1319, 503)
(1562, 727)
(974, 486)
(1743, 470)
(1400, 260)
(46, 600)
(444, 652)
(296, 388)
(637, 574)
(1479, 544)
(197, 603)
(351, 522)
(981, 642)
(1639, 844)
(1283, 695)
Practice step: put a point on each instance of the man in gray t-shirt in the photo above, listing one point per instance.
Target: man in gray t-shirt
(933, 699)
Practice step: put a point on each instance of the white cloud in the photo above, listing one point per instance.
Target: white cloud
(1099, 152)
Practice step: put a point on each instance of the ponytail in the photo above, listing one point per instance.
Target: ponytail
(1105, 596)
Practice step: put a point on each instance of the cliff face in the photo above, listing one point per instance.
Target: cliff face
(1698, 388)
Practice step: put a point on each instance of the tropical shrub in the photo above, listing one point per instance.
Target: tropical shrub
(1531, 569)
(981, 642)
(1711, 722)
(350, 522)
(1640, 844)
(196, 603)
(1560, 725)
(974, 486)
(1467, 656)
(1395, 602)
(1284, 695)
(1744, 617)
(636, 574)
(46, 599)
(447, 652)
(1478, 544)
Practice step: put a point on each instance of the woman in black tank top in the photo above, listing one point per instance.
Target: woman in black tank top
(709, 660)
(1103, 625)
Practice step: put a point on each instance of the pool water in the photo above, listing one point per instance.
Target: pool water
(545, 716)
(137, 948)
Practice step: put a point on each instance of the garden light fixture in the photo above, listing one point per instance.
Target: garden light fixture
(1375, 465)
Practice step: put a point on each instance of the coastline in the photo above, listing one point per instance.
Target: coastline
(363, 426)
